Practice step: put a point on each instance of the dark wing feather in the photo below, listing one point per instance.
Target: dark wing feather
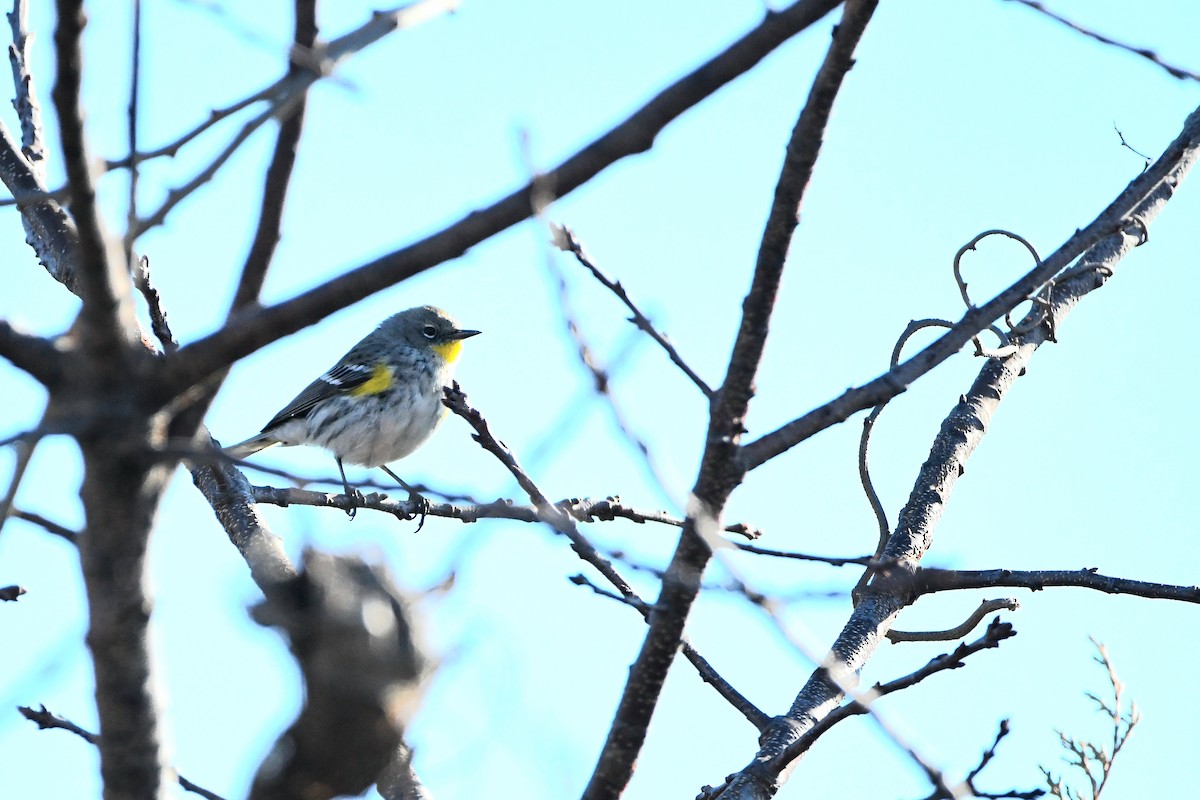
(339, 380)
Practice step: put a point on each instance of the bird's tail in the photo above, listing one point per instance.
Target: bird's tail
(251, 446)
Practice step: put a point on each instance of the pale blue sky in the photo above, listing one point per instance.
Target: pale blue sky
(959, 116)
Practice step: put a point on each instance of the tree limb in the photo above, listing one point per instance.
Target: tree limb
(254, 328)
(720, 470)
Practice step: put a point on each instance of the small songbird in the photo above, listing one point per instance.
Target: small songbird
(379, 402)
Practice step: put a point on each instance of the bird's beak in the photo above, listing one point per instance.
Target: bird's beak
(464, 334)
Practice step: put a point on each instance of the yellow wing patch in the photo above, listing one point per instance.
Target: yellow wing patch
(380, 381)
(448, 350)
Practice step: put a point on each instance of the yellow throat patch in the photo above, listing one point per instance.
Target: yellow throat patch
(448, 350)
(380, 381)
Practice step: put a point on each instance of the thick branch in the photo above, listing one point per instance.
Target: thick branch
(927, 581)
(720, 470)
(253, 329)
(961, 432)
(1166, 172)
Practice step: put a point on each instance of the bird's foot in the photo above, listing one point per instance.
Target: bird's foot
(423, 507)
(356, 499)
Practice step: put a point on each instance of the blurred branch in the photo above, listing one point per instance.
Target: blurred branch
(158, 315)
(131, 212)
(601, 383)
(557, 518)
(581, 509)
(309, 62)
(1149, 55)
(892, 588)
(48, 229)
(37, 356)
(25, 444)
(248, 331)
(215, 116)
(49, 525)
(704, 670)
(349, 629)
(564, 239)
(720, 468)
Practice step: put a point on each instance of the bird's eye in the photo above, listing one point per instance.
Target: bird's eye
(429, 331)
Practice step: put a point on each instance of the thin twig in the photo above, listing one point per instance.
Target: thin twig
(47, 720)
(25, 445)
(996, 633)
(1149, 55)
(1147, 190)
(564, 239)
(929, 580)
(563, 522)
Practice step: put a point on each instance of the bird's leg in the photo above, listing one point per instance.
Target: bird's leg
(413, 496)
(356, 497)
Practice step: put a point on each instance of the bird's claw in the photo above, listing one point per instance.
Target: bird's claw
(356, 499)
(423, 509)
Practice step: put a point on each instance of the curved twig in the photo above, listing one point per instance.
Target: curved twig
(957, 264)
(958, 631)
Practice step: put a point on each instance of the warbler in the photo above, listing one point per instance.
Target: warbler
(379, 402)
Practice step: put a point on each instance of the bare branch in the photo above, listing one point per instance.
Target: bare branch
(958, 631)
(960, 433)
(247, 332)
(49, 525)
(928, 580)
(707, 673)
(1133, 208)
(29, 111)
(561, 520)
(278, 175)
(33, 354)
(46, 720)
(1149, 55)
(456, 400)
(103, 283)
(996, 632)
(351, 632)
(158, 315)
(48, 229)
(720, 469)
(564, 239)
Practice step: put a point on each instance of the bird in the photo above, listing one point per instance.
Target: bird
(378, 403)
